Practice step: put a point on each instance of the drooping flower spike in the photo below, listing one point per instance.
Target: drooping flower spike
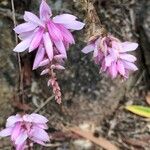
(111, 55)
(50, 36)
(23, 128)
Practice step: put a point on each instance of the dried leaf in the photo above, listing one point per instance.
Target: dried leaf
(139, 110)
(135, 142)
(99, 141)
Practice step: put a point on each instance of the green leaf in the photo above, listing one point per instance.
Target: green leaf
(139, 110)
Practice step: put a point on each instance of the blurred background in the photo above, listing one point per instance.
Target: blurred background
(90, 99)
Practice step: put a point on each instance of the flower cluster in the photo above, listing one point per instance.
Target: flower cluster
(49, 36)
(23, 128)
(111, 55)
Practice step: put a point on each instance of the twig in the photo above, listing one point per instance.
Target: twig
(99, 141)
(8, 13)
(45, 103)
(18, 56)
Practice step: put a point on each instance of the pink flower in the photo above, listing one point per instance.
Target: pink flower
(111, 55)
(26, 127)
(50, 35)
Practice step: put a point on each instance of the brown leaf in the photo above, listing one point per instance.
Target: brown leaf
(99, 141)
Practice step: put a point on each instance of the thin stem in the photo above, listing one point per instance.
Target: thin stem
(18, 55)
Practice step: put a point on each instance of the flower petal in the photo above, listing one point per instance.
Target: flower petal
(5, 132)
(130, 66)
(21, 147)
(120, 67)
(113, 70)
(48, 46)
(24, 35)
(25, 27)
(36, 40)
(128, 46)
(16, 131)
(69, 21)
(108, 60)
(36, 118)
(45, 71)
(87, 49)
(22, 46)
(128, 57)
(60, 46)
(58, 66)
(67, 36)
(30, 17)
(44, 62)
(21, 138)
(39, 134)
(54, 31)
(43, 126)
(37, 141)
(12, 120)
(39, 57)
(45, 11)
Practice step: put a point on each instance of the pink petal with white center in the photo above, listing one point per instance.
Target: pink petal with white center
(113, 70)
(30, 17)
(44, 62)
(22, 46)
(127, 57)
(128, 46)
(16, 131)
(48, 46)
(54, 31)
(6, 132)
(21, 138)
(36, 118)
(60, 46)
(12, 120)
(39, 57)
(25, 27)
(130, 66)
(69, 21)
(45, 71)
(45, 11)
(120, 67)
(39, 134)
(67, 36)
(87, 49)
(36, 39)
